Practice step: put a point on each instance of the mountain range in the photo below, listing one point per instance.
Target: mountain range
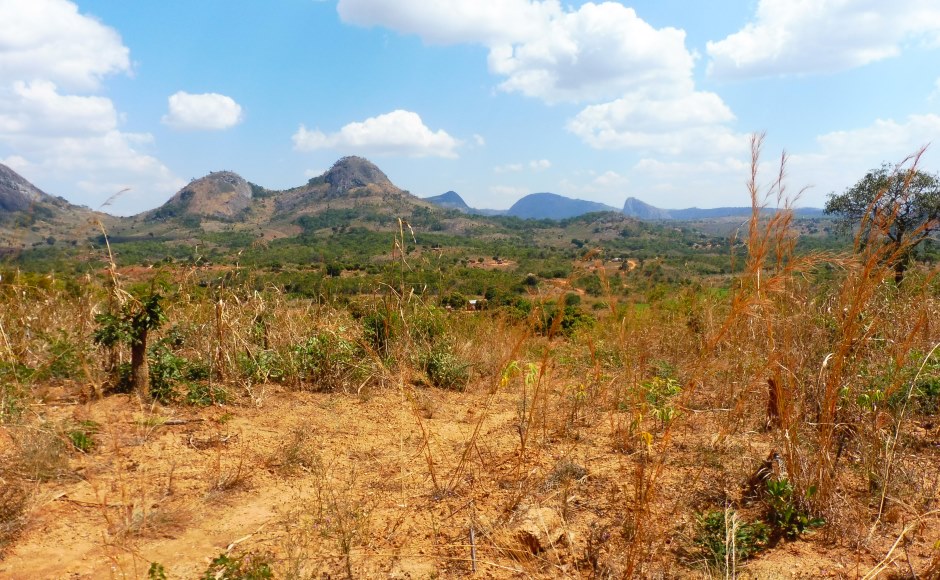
(633, 207)
(353, 188)
(557, 207)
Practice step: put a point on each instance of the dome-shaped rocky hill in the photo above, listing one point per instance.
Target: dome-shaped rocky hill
(221, 195)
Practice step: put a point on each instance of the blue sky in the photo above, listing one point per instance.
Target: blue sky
(493, 99)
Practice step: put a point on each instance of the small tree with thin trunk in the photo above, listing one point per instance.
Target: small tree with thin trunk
(129, 326)
(901, 206)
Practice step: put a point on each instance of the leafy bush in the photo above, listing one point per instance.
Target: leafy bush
(82, 436)
(714, 539)
(445, 369)
(203, 395)
(248, 567)
(328, 362)
(11, 401)
(261, 367)
(786, 512)
(426, 324)
(378, 328)
(571, 317)
(156, 571)
(130, 326)
(926, 394)
(168, 371)
(455, 300)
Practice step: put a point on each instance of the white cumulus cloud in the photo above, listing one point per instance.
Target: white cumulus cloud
(53, 127)
(534, 165)
(794, 37)
(543, 50)
(668, 125)
(205, 111)
(399, 132)
(50, 39)
(600, 54)
(596, 52)
(38, 108)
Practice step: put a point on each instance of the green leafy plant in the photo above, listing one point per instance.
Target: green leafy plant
(203, 395)
(168, 371)
(786, 511)
(328, 362)
(660, 392)
(251, 566)
(262, 366)
(445, 369)
(156, 571)
(378, 328)
(82, 436)
(724, 538)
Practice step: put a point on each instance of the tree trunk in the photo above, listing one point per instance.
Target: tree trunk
(140, 370)
(899, 267)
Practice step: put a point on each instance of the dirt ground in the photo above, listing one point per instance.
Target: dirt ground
(336, 485)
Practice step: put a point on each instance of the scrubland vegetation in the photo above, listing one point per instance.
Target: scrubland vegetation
(774, 416)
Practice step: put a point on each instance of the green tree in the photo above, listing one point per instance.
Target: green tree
(130, 326)
(902, 205)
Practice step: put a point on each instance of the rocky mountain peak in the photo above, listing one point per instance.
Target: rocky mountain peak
(352, 172)
(17, 194)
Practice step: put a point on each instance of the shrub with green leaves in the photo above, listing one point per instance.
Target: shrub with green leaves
(11, 401)
(169, 371)
(261, 366)
(328, 362)
(251, 566)
(787, 512)
(716, 542)
(454, 300)
(926, 393)
(156, 571)
(378, 328)
(130, 326)
(82, 436)
(445, 369)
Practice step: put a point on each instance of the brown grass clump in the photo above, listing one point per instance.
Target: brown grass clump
(40, 454)
(14, 500)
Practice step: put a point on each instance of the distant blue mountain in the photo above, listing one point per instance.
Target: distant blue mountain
(554, 207)
(644, 211)
(450, 200)
(533, 206)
